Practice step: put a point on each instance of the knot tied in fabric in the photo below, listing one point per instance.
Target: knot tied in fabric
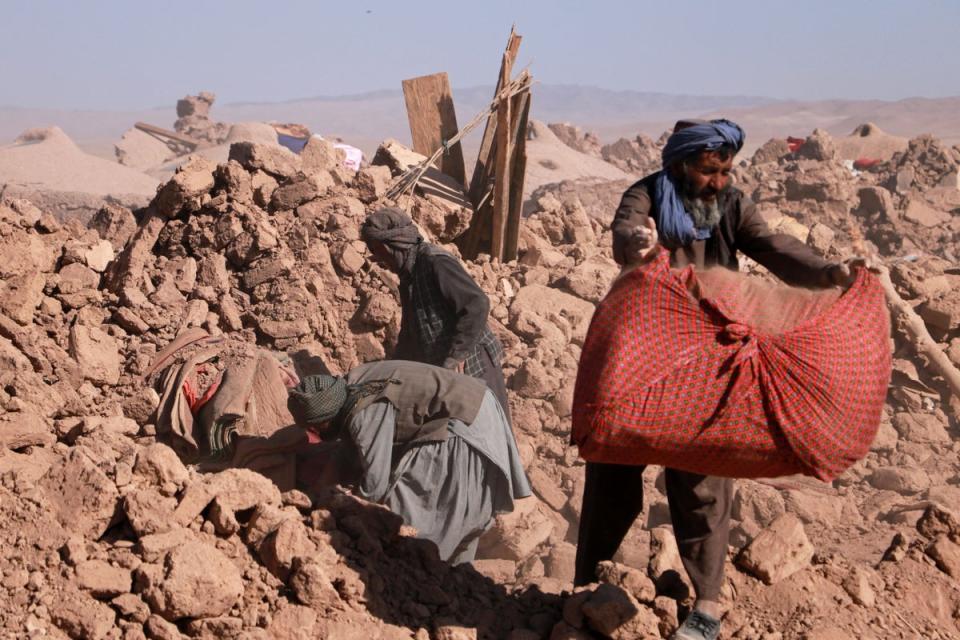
(744, 334)
(736, 331)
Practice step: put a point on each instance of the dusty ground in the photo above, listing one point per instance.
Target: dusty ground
(106, 534)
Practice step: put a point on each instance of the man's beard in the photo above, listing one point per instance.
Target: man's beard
(706, 214)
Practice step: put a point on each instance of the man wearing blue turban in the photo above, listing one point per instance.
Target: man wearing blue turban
(691, 209)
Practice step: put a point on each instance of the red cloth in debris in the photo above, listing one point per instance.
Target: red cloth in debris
(794, 143)
(194, 400)
(670, 378)
(861, 164)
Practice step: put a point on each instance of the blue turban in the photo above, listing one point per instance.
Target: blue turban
(675, 226)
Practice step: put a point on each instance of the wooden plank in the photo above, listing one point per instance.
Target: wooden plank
(433, 119)
(166, 133)
(518, 170)
(501, 179)
(478, 237)
(482, 170)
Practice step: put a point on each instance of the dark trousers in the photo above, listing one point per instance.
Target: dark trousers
(699, 507)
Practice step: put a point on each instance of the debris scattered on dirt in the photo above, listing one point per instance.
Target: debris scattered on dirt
(108, 535)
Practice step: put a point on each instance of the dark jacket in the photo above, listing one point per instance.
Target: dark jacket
(444, 314)
(425, 397)
(740, 229)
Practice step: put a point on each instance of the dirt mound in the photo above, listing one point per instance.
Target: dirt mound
(550, 160)
(868, 141)
(140, 150)
(46, 165)
(106, 534)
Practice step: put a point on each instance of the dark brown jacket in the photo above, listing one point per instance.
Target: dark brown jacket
(740, 229)
(425, 397)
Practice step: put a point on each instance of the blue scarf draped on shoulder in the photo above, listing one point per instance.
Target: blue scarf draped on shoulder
(675, 226)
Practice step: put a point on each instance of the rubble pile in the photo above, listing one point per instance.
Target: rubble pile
(108, 535)
(575, 138)
(193, 119)
(639, 156)
(597, 196)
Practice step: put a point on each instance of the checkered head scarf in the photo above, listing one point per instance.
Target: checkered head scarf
(317, 399)
(323, 398)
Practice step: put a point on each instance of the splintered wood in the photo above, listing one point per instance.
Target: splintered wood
(501, 186)
(520, 112)
(496, 189)
(497, 186)
(433, 121)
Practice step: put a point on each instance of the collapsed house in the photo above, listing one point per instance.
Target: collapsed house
(108, 534)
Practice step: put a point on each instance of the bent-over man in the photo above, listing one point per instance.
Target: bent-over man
(432, 445)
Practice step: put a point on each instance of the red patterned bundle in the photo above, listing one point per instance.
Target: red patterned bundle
(718, 374)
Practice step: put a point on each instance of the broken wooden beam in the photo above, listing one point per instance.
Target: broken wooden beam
(479, 237)
(518, 169)
(166, 133)
(501, 180)
(433, 121)
(482, 170)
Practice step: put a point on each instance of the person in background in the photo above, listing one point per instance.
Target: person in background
(444, 312)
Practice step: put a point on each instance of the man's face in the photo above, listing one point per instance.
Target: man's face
(706, 176)
(381, 255)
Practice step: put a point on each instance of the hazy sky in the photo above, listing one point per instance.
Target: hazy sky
(133, 54)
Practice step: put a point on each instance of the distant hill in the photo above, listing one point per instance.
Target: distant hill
(366, 119)
(907, 118)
